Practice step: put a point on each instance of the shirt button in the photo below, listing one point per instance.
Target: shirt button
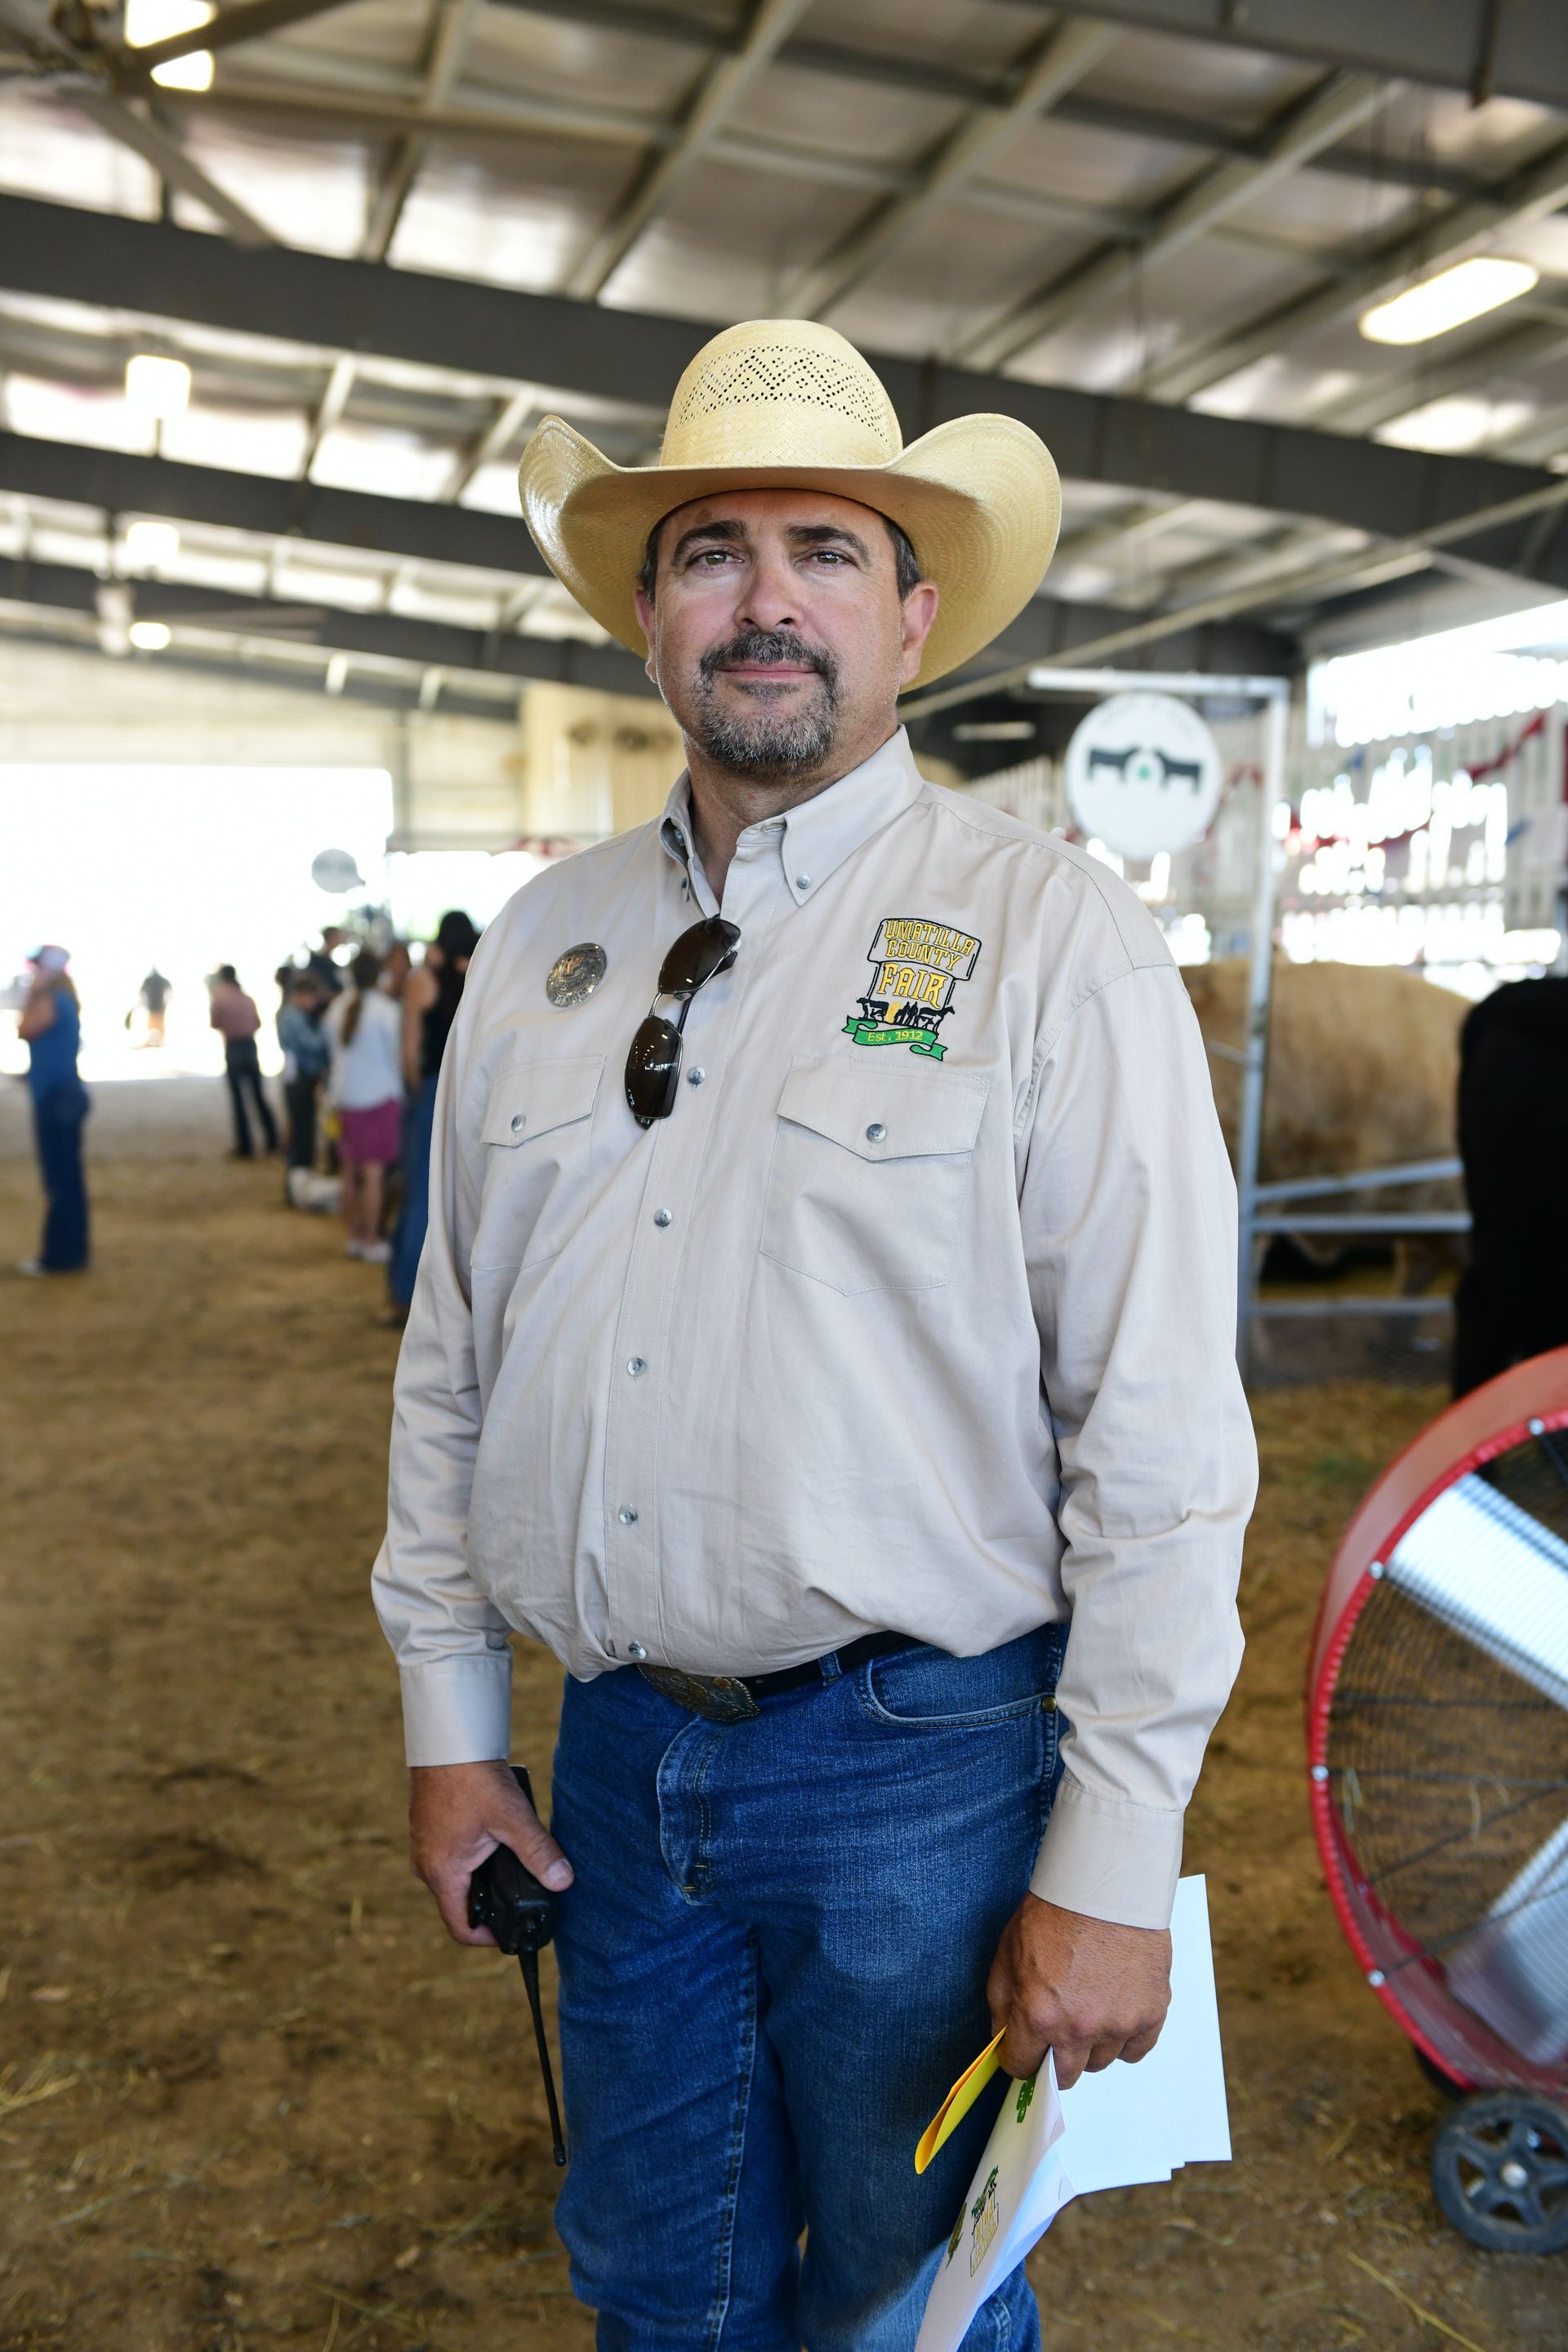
(636, 1366)
(876, 1132)
(803, 881)
(695, 1078)
(635, 1650)
(628, 1518)
(662, 1217)
(518, 1123)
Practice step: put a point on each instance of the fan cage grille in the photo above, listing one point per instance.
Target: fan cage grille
(1447, 1774)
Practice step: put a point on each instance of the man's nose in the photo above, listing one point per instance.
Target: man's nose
(769, 599)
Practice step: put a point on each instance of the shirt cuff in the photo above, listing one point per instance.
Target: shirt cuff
(1108, 1858)
(457, 1710)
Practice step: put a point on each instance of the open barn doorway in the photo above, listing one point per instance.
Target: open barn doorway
(178, 868)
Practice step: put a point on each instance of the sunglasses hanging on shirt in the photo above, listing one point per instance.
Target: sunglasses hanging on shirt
(653, 1064)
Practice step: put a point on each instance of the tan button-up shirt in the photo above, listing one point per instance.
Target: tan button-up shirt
(916, 1315)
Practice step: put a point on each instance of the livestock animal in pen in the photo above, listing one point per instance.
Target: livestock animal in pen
(1512, 1300)
(1363, 1065)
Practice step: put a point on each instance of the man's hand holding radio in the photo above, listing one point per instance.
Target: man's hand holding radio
(458, 1814)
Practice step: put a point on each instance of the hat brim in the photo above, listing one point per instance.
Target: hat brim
(978, 497)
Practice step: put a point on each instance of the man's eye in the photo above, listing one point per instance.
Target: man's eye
(713, 555)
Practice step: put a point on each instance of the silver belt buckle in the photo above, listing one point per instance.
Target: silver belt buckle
(722, 1698)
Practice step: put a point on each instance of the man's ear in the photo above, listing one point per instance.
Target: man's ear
(919, 615)
(645, 615)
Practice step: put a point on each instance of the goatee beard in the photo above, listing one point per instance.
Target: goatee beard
(770, 745)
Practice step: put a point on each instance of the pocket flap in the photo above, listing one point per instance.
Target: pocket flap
(531, 1097)
(886, 1114)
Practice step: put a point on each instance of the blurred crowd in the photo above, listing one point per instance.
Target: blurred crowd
(362, 1031)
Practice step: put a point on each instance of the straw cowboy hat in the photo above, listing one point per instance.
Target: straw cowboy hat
(784, 404)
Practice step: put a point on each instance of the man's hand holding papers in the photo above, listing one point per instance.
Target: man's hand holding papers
(1085, 1989)
(1114, 2127)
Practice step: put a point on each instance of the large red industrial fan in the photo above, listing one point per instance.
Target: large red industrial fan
(1437, 1735)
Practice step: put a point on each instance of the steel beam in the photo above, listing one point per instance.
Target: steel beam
(417, 530)
(1515, 49)
(411, 528)
(384, 689)
(1344, 103)
(133, 125)
(1063, 58)
(162, 272)
(1310, 31)
(1542, 188)
(385, 636)
(449, 32)
(723, 84)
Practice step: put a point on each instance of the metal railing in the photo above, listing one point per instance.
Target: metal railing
(1266, 1211)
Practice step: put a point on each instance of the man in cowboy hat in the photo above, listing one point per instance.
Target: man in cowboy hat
(800, 1359)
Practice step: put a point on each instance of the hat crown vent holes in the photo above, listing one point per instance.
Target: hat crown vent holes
(771, 371)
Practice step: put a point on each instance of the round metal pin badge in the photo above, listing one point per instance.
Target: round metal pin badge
(574, 976)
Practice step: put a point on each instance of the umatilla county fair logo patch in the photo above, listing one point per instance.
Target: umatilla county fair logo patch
(910, 994)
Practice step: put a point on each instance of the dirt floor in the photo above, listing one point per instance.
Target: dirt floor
(249, 2095)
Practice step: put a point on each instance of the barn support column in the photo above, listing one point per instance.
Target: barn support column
(1259, 985)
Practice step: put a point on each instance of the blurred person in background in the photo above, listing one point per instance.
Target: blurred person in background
(430, 1004)
(51, 1028)
(235, 1018)
(153, 1000)
(365, 1029)
(396, 965)
(306, 1056)
(320, 960)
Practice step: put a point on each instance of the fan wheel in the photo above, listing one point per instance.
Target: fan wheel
(1500, 2172)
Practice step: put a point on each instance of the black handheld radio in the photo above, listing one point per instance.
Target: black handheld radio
(521, 1915)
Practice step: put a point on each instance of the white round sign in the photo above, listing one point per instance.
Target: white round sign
(336, 870)
(1142, 774)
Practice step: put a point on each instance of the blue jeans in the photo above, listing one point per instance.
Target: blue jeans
(418, 1128)
(57, 1119)
(772, 1966)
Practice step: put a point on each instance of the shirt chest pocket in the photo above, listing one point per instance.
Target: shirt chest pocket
(538, 1121)
(871, 1173)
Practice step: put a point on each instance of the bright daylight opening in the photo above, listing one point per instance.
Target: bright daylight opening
(184, 868)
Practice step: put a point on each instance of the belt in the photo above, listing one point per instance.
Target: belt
(732, 1698)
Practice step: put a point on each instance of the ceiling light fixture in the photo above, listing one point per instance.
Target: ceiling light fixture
(149, 544)
(150, 637)
(149, 21)
(157, 388)
(1465, 291)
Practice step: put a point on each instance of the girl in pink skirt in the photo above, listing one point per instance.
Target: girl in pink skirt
(365, 1028)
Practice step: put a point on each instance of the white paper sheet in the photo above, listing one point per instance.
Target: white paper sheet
(1111, 2130)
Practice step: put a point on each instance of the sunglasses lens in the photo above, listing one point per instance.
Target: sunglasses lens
(699, 956)
(653, 1070)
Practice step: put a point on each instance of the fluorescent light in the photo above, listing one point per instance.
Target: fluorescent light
(1461, 420)
(150, 637)
(1465, 291)
(150, 21)
(148, 544)
(157, 388)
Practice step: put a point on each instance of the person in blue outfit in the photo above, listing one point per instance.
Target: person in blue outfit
(430, 1002)
(51, 1027)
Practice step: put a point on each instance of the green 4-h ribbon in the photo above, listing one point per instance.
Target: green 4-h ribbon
(883, 1033)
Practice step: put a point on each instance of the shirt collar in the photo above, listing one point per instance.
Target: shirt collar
(816, 837)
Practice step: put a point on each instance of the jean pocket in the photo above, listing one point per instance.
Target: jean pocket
(926, 1690)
